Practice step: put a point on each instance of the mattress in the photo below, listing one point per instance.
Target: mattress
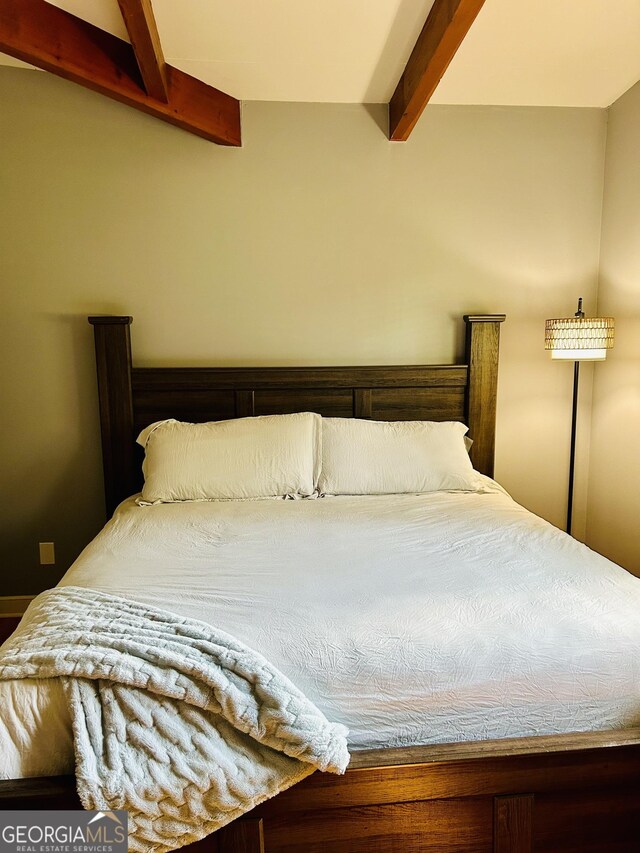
(412, 619)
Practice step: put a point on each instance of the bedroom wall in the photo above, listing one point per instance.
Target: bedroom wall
(615, 461)
(319, 242)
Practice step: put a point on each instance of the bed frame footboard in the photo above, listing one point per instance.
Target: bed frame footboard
(553, 794)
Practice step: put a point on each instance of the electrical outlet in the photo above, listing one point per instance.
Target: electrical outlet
(47, 553)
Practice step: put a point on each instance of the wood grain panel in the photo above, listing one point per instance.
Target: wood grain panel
(418, 404)
(252, 378)
(113, 362)
(482, 776)
(513, 824)
(482, 348)
(47, 792)
(573, 743)
(603, 821)
(362, 402)
(8, 625)
(241, 836)
(445, 826)
(183, 405)
(329, 402)
(245, 403)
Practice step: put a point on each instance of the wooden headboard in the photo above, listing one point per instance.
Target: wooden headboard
(133, 397)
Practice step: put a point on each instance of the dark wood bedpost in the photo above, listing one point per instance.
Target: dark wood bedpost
(482, 347)
(113, 361)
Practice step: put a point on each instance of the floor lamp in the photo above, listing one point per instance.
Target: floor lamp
(577, 339)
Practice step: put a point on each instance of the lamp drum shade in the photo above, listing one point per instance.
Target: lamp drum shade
(579, 338)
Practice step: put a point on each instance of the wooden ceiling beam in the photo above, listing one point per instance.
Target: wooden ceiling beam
(446, 26)
(143, 32)
(50, 38)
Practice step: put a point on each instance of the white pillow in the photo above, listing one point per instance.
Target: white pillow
(261, 457)
(361, 457)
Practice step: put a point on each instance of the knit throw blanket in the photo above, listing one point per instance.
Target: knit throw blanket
(176, 722)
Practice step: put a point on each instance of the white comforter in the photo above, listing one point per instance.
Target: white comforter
(410, 619)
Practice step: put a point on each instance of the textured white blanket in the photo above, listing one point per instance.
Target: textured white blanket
(175, 721)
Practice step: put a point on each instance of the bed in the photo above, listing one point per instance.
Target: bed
(528, 740)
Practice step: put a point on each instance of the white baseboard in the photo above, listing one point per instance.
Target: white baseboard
(14, 605)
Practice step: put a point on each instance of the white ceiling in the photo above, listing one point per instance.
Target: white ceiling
(530, 52)
(565, 53)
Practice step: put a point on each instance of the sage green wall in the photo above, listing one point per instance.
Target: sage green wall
(614, 505)
(319, 242)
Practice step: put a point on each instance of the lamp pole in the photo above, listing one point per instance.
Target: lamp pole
(574, 429)
(572, 458)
